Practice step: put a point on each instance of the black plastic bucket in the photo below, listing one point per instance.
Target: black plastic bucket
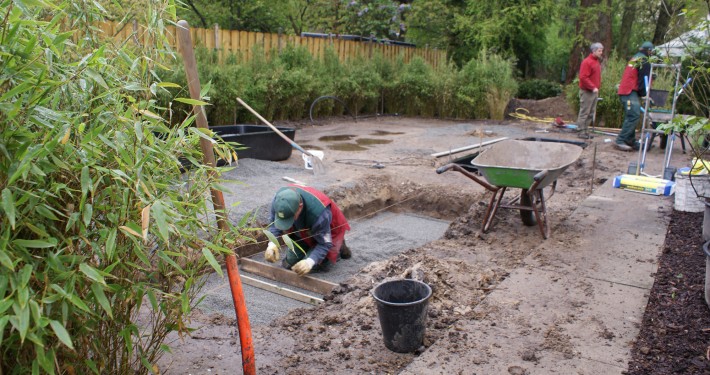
(402, 308)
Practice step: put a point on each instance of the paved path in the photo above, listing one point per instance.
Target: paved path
(576, 312)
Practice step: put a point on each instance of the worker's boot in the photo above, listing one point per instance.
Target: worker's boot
(345, 251)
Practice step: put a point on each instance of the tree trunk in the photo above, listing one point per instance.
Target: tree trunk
(666, 12)
(627, 21)
(593, 25)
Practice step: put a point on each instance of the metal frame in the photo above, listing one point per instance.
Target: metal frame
(645, 136)
(535, 192)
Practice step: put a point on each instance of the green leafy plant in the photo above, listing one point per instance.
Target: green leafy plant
(487, 84)
(103, 241)
(538, 89)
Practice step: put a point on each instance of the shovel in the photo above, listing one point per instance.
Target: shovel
(318, 167)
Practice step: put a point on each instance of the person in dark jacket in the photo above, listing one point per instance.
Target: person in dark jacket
(632, 87)
(315, 222)
(590, 80)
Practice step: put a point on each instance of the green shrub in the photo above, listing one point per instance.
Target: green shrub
(446, 85)
(538, 89)
(361, 87)
(102, 240)
(415, 88)
(487, 85)
(283, 84)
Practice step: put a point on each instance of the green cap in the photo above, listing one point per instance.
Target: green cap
(285, 206)
(647, 46)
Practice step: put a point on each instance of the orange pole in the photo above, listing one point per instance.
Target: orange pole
(235, 283)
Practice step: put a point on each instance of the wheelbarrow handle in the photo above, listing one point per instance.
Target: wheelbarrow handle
(468, 174)
(444, 168)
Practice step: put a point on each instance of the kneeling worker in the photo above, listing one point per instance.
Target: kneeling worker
(317, 225)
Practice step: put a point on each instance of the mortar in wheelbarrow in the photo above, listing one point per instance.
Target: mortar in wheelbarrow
(514, 163)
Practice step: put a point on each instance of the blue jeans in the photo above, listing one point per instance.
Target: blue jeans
(632, 113)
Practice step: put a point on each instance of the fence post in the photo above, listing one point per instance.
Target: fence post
(216, 36)
(217, 46)
(278, 41)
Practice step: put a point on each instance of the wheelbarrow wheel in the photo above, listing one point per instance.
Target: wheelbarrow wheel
(527, 216)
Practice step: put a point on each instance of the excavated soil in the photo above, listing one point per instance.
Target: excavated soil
(342, 335)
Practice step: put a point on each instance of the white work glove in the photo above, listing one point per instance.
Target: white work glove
(303, 267)
(272, 252)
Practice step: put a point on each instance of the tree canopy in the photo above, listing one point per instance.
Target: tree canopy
(545, 37)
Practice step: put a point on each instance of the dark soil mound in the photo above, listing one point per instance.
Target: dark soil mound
(675, 335)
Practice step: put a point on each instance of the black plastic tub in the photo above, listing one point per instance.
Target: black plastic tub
(259, 141)
(465, 162)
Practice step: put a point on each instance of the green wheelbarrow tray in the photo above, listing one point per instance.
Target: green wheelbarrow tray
(513, 163)
(528, 165)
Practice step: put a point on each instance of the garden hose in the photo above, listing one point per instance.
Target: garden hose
(523, 116)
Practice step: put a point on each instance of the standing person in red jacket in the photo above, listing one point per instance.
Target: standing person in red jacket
(590, 81)
(633, 86)
(315, 223)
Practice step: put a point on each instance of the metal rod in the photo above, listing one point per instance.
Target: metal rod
(456, 150)
(288, 293)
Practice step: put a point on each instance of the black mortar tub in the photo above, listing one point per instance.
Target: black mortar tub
(259, 141)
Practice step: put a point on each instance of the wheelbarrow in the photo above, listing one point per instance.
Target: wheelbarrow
(528, 165)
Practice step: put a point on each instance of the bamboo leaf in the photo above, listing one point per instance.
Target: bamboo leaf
(8, 205)
(5, 260)
(45, 359)
(92, 365)
(270, 236)
(36, 244)
(88, 213)
(145, 221)
(129, 230)
(150, 114)
(212, 261)
(191, 101)
(65, 138)
(85, 180)
(152, 299)
(3, 322)
(23, 295)
(76, 301)
(101, 298)
(44, 211)
(161, 220)
(169, 84)
(111, 243)
(171, 262)
(61, 333)
(4, 305)
(96, 77)
(23, 321)
(92, 273)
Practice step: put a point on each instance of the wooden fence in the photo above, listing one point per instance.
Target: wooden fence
(242, 43)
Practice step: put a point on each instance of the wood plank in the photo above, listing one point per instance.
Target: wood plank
(285, 276)
(298, 296)
(234, 38)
